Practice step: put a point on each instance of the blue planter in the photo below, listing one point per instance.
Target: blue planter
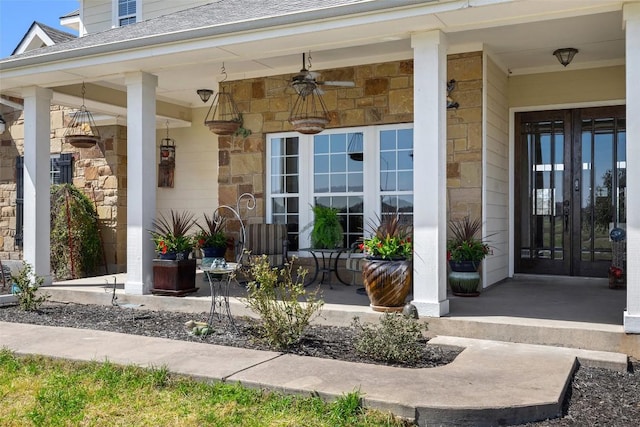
(168, 256)
(464, 278)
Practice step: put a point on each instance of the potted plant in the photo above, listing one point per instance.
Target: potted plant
(465, 252)
(173, 272)
(211, 238)
(327, 231)
(387, 268)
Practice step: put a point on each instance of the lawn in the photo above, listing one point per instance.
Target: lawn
(49, 392)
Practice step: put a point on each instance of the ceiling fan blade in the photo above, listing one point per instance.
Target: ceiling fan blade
(337, 83)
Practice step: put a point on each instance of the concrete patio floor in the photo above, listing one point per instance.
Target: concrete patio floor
(548, 310)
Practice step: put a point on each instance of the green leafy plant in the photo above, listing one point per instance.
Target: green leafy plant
(27, 283)
(327, 231)
(212, 234)
(75, 238)
(396, 339)
(170, 234)
(391, 239)
(464, 245)
(284, 306)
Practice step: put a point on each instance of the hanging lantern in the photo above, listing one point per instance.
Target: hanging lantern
(223, 117)
(309, 114)
(166, 168)
(82, 131)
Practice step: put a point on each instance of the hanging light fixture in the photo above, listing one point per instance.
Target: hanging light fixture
(166, 168)
(82, 131)
(565, 55)
(204, 94)
(223, 117)
(356, 146)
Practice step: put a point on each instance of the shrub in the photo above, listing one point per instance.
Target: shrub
(27, 283)
(284, 306)
(397, 339)
(75, 238)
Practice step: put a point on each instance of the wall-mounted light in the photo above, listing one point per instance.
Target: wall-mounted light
(565, 55)
(3, 124)
(204, 94)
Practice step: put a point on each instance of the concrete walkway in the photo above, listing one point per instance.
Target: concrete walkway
(489, 383)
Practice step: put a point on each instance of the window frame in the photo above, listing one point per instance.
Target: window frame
(116, 17)
(372, 196)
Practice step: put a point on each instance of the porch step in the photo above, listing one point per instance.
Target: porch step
(557, 333)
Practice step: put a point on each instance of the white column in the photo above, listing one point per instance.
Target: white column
(430, 178)
(141, 180)
(631, 16)
(37, 205)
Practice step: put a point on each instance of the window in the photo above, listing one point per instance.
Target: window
(126, 12)
(60, 172)
(362, 172)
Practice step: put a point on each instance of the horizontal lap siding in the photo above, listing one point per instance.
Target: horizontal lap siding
(496, 168)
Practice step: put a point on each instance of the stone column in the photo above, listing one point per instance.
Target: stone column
(430, 152)
(37, 204)
(631, 16)
(141, 180)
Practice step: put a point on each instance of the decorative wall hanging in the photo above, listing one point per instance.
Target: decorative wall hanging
(451, 85)
(82, 131)
(223, 117)
(166, 168)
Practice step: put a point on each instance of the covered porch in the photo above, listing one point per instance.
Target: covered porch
(153, 89)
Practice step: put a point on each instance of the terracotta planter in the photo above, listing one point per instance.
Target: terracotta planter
(387, 283)
(81, 141)
(464, 278)
(309, 125)
(223, 127)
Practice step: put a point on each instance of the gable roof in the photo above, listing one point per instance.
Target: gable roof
(217, 18)
(40, 34)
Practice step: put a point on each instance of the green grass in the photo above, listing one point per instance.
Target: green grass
(38, 391)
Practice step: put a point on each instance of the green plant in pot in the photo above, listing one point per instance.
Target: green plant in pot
(327, 231)
(465, 252)
(170, 235)
(211, 238)
(387, 268)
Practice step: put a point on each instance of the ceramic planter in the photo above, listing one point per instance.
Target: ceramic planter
(464, 278)
(387, 283)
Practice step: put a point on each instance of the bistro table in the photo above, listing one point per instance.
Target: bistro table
(219, 275)
(330, 259)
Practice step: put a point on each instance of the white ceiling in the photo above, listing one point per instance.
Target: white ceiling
(520, 36)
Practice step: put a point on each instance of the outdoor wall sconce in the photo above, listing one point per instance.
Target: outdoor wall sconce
(166, 168)
(204, 94)
(451, 85)
(565, 55)
(3, 124)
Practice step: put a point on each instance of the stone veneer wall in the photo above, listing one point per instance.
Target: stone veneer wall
(99, 171)
(464, 137)
(383, 94)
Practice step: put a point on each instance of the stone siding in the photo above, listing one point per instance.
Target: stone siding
(99, 171)
(383, 94)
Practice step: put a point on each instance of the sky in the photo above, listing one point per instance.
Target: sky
(16, 16)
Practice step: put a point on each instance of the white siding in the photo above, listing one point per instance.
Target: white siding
(495, 157)
(98, 15)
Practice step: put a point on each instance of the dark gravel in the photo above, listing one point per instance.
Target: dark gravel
(597, 397)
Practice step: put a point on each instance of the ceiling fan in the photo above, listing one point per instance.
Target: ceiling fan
(306, 81)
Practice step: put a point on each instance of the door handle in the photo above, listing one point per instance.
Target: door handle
(566, 211)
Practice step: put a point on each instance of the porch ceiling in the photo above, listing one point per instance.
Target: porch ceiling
(520, 35)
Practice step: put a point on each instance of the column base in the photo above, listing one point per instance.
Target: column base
(431, 309)
(136, 288)
(631, 323)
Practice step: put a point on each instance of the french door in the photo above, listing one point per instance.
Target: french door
(570, 189)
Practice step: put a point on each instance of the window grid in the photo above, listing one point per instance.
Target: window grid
(285, 185)
(126, 12)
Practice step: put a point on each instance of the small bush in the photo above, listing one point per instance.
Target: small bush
(27, 284)
(284, 306)
(397, 339)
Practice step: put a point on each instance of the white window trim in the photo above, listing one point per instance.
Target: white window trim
(371, 168)
(115, 17)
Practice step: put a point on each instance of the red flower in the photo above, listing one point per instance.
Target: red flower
(361, 246)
